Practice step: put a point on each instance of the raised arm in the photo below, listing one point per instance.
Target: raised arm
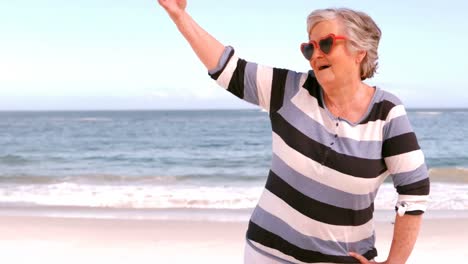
(207, 48)
(257, 84)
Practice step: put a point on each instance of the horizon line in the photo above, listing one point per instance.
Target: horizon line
(201, 109)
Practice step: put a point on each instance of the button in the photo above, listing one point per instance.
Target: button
(336, 136)
(336, 124)
(332, 144)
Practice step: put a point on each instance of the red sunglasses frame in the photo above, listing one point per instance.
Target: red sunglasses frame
(317, 45)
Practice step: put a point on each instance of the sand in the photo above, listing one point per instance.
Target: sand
(39, 239)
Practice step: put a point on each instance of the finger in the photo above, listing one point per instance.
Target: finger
(167, 5)
(164, 3)
(359, 257)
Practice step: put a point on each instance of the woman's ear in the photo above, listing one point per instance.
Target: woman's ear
(361, 54)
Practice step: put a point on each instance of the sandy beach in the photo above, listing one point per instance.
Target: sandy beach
(33, 239)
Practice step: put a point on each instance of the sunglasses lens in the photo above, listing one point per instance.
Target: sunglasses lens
(307, 50)
(326, 45)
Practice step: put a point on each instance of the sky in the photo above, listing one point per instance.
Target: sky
(120, 55)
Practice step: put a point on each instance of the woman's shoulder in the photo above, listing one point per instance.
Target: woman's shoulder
(308, 79)
(388, 105)
(389, 98)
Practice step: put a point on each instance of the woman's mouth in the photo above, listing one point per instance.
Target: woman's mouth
(323, 67)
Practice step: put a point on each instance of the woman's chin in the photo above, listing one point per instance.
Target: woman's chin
(325, 79)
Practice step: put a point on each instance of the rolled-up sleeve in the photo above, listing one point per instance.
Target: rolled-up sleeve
(405, 161)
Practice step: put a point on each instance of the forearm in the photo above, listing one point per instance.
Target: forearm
(405, 233)
(207, 48)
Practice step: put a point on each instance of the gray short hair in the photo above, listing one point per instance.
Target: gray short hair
(362, 31)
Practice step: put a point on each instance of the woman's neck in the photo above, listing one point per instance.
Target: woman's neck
(348, 101)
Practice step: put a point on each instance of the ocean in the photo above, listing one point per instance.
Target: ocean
(171, 161)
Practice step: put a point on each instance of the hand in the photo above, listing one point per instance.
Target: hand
(173, 7)
(362, 259)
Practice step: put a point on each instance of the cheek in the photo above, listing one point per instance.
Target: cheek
(341, 56)
(343, 64)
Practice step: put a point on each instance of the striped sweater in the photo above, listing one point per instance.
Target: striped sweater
(318, 201)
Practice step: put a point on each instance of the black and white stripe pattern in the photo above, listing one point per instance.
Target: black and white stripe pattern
(318, 200)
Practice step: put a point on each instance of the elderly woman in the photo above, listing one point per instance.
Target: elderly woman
(335, 140)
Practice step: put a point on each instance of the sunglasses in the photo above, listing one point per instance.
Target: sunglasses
(325, 44)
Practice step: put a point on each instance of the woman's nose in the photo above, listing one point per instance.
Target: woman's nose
(317, 54)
